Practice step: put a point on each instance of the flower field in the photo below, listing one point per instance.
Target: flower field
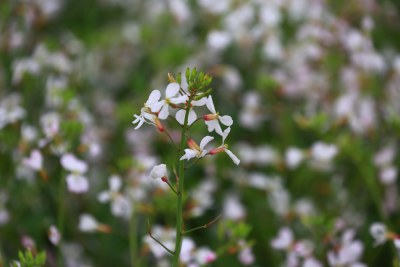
(192, 133)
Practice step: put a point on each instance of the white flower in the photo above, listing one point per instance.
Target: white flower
(158, 171)
(54, 235)
(77, 183)
(35, 160)
(50, 123)
(180, 115)
(246, 256)
(323, 152)
(73, 164)
(195, 150)
(233, 208)
(205, 255)
(212, 120)
(162, 107)
(293, 157)
(349, 251)
(145, 112)
(224, 148)
(388, 175)
(120, 205)
(379, 233)
(284, 239)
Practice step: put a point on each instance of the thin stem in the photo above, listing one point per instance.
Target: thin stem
(158, 242)
(203, 226)
(61, 215)
(172, 188)
(172, 140)
(135, 260)
(193, 163)
(198, 119)
(181, 176)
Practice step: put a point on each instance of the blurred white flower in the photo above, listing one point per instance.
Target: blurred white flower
(73, 164)
(10, 110)
(50, 123)
(218, 40)
(205, 256)
(246, 256)
(54, 235)
(379, 232)
(293, 157)
(348, 253)
(388, 175)
(284, 239)
(323, 152)
(89, 224)
(35, 160)
(120, 204)
(232, 208)
(159, 171)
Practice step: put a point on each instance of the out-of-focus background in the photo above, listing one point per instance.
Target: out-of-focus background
(313, 87)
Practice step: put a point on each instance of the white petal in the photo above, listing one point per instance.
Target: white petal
(172, 90)
(179, 99)
(192, 117)
(104, 197)
(77, 183)
(180, 116)
(87, 223)
(225, 134)
(232, 156)
(156, 106)
(210, 105)
(153, 97)
(164, 112)
(189, 153)
(226, 120)
(139, 121)
(73, 164)
(207, 139)
(115, 183)
(199, 103)
(218, 129)
(35, 161)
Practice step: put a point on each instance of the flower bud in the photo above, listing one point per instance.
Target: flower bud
(217, 150)
(193, 145)
(210, 117)
(159, 125)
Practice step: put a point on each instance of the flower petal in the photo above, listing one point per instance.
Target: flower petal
(178, 100)
(164, 112)
(192, 117)
(207, 139)
(77, 183)
(153, 97)
(115, 183)
(225, 134)
(200, 102)
(232, 156)
(189, 153)
(172, 90)
(210, 105)
(180, 116)
(156, 106)
(226, 120)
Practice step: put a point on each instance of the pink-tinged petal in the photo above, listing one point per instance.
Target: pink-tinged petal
(207, 139)
(35, 160)
(77, 183)
(192, 117)
(164, 112)
(178, 100)
(189, 153)
(153, 97)
(156, 106)
(200, 102)
(172, 90)
(210, 105)
(180, 116)
(73, 164)
(226, 120)
(232, 156)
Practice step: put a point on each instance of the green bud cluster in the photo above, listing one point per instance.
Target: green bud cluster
(198, 82)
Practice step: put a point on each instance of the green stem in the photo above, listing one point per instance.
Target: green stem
(181, 176)
(61, 216)
(135, 260)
